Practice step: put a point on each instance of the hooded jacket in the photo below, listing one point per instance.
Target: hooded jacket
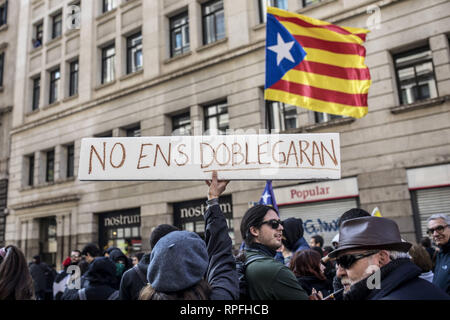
(442, 268)
(134, 280)
(399, 281)
(101, 277)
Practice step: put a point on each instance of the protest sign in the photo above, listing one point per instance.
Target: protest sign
(235, 157)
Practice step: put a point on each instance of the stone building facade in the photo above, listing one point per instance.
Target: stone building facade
(129, 68)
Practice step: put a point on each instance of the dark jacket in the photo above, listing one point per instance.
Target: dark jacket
(221, 273)
(41, 274)
(442, 268)
(310, 282)
(399, 281)
(101, 277)
(117, 255)
(269, 279)
(133, 281)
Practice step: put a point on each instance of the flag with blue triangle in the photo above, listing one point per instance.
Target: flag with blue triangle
(267, 197)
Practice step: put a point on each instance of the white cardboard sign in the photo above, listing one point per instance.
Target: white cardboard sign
(234, 157)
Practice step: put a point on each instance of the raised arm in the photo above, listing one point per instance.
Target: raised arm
(221, 273)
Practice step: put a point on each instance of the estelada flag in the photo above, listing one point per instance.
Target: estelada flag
(316, 65)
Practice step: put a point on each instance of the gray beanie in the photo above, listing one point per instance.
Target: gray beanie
(178, 261)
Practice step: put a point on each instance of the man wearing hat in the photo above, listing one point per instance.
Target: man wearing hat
(373, 263)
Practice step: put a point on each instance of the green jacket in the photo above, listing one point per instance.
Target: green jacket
(268, 279)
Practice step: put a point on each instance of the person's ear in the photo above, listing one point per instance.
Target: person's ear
(254, 231)
(383, 258)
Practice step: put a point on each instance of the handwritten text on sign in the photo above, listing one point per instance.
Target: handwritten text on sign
(235, 157)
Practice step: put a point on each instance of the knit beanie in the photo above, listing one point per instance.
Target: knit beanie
(178, 261)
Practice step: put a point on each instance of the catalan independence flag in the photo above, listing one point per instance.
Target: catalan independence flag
(316, 65)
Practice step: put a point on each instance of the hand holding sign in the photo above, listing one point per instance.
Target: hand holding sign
(216, 187)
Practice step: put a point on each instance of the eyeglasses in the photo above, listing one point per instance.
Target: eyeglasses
(346, 261)
(273, 223)
(439, 229)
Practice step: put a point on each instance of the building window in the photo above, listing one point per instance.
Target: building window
(107, 134)
(30, 171)
(181, 124)
(310, 2)
(282, 4)
(36, 93)
(38, 34)
(216, 118)
(3, 13)
(109, 5)
(281, 116)
(54, 85)
(73, 78)
(70, 160)
(415, 75)
(213, 21)
(50, 166)
(56, 25)
(134, 131)
(108, 55)
(321, 117)
(134, 53)
(2, 66)
(179, 34)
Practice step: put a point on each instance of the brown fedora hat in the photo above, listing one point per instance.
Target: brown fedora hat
(370, 233)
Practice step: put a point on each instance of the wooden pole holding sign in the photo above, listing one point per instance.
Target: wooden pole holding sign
(234, 157)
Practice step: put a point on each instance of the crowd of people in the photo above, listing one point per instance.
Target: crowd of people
(368, 260)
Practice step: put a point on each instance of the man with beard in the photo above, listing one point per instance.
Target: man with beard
(267, 279)
(439, 230)
(373, 263)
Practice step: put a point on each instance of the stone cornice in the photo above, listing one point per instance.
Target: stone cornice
(45, 202)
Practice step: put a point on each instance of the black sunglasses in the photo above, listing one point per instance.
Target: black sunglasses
(439, 229)
(273, 223)
(346, 261)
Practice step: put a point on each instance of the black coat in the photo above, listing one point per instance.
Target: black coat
(221, 273)
(310, 282)
(101, 277)
(399, 281)
(133, 281)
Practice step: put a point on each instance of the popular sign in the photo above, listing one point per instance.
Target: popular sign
(234, 157)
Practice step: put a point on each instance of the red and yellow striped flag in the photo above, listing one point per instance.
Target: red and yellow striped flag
(316, 65)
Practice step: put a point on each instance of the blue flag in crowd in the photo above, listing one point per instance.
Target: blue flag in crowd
(268, 197)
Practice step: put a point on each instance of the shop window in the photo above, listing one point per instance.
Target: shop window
(415, 75)
(121, 229)
(47, 240)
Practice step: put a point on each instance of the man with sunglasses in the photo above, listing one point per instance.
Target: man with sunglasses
(439, 231)
(267, 279)
(373, 263)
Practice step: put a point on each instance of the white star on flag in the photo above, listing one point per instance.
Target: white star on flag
(265, 196)
(282, 49)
